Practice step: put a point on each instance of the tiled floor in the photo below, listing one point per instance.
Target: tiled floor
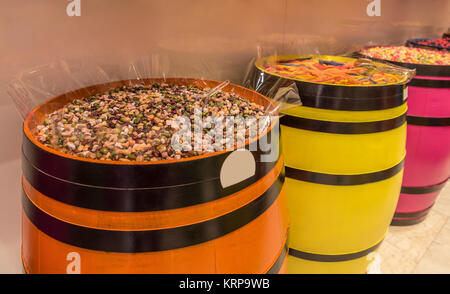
(423, 248)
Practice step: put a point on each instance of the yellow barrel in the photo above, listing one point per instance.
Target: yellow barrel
(344, 151)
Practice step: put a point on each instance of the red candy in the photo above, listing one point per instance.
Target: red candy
(443, 43)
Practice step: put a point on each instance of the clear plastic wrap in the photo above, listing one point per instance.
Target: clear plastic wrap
(289, 82)
(281, 91)
(34, 86)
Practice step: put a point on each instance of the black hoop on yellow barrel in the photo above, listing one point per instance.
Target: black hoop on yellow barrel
(344, 151)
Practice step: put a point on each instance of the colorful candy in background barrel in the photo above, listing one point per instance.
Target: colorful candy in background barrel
(93, 216)
(427, 164)
(344, 151)
(440, 44)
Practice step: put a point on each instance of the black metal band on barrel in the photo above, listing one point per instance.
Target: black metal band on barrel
(423, 190)
(430, 83)
(410, 218)
(276, 267)
(399, 221)
(342, 127)
(332, 258)
(133, 200)
(351, 103)
(135, 175)
(407, 222)
(428, 121)
(412, 214)
(335, 97)
(342, 180)
(152, 240)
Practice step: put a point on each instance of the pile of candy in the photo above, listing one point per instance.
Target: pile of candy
(408, 55)
(344, 71)
(443, 43)
(134, 123)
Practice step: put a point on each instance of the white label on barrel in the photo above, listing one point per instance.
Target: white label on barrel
(238, 166)
(74, 266)
(405, 93)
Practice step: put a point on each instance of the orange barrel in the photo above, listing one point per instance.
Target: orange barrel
(89, 216)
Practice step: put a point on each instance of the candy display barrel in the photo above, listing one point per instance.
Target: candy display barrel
(344, 151)
(427, 163)
(172, 216)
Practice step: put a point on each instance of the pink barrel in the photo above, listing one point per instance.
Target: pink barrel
(427, 163)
